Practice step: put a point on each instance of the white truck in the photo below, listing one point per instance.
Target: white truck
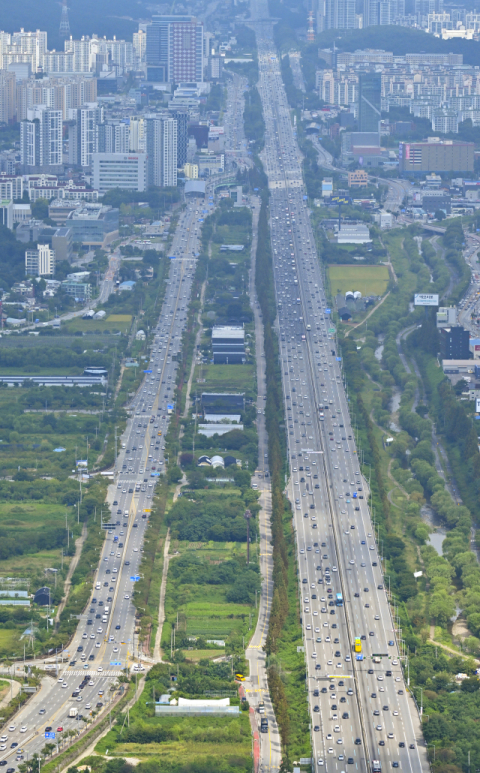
(73, 712)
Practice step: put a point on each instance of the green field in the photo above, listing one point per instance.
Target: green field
(111, 323)
(226, 378)
(369, 280)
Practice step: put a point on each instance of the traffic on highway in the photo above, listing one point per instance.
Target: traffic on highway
(82, 683)
(362, 714)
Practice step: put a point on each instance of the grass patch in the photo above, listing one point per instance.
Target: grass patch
(119, 318)
(228, 378)
(369, 280)
(79, 325)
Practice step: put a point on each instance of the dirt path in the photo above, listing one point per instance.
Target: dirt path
(157, 652)
(11, 693)
(197, 341)
(73, 565)
(354, 327)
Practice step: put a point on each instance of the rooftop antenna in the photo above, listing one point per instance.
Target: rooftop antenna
(64, 23)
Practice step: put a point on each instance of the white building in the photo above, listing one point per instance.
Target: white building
(41, 140)
(40, 262)
(119, 170)
(161, 148)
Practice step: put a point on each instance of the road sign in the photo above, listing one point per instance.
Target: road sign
(115, 662)
(331, 329)
(50, 735)
(147, 371)
(108, 526)
(170, 407)
(426, 299)
(338, 359)
(328, 311)
(340, 199)
(135, 578)
(172, 257)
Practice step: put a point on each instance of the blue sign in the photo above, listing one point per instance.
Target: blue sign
(147, 371)
(338, 359)
(37, 320)
(135, 578)
(154, 474)
(170, 407)
(115, 662)
(328, 311)
(50, 735)
(305, 198)
(172, 257)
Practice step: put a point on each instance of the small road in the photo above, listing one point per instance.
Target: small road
(256, 685)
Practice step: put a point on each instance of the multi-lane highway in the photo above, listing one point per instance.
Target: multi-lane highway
(360, 709)
(104, 643)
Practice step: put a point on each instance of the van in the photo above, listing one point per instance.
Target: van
(97, 586)
(104, 619)
(83, 657)
(107, 609)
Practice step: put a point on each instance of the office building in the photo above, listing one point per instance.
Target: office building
(161, 150)
(340, 15)
(40, 262)
(369, 101)
(41, 141)
(93, 224)
(454, 343)
(174, 49)
(358, 179)
(435, 155)
(382, 12)
(327, 187)
(446, 316)
(119, 170)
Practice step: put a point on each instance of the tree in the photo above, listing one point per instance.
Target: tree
(439, 214)
(174, 474)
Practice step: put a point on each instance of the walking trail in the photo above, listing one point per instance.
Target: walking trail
(73, 565)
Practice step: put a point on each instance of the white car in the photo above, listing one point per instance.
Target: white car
(3, 747)
(126, 596)
(23, 729)
(99, 630)
(12, 728)
(64, 686)
(99, 668)
(97, 644)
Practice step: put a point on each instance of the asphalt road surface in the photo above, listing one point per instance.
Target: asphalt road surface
(360, 709)
(104, 643)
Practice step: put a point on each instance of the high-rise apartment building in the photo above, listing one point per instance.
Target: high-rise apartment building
(40, 262)
(174, 49)
(41, 140)
(65, 94)
(137, 135)
(181, 117)
(113, 137)
(339, 15)
(369, 101)
(382, 12)
(161, 149)
(83, 134)
(8, 102)
(23, 47)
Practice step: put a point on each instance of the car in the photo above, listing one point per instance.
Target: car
(23, 729)
(395, 764)
(117, 627)
(99, 668)
(358, 741)
(42, 711)
(13, 745)
(12, 728)
(320, 761)
(412, 746)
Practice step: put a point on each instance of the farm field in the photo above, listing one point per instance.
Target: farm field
(369, 280)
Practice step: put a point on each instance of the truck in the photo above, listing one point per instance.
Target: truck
(376, 766)
(264, 725)
(357, 645)
(73, 711)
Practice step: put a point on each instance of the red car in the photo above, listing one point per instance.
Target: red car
(59, 729)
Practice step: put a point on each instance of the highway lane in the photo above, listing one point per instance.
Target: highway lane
(370, 716)
(104, 643)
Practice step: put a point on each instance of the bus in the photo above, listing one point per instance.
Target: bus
(339, 600)
(357, 645)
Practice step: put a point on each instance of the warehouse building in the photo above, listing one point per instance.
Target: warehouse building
(435, 155)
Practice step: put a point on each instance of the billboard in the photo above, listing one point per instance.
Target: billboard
(426, 299)
(477, 405)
